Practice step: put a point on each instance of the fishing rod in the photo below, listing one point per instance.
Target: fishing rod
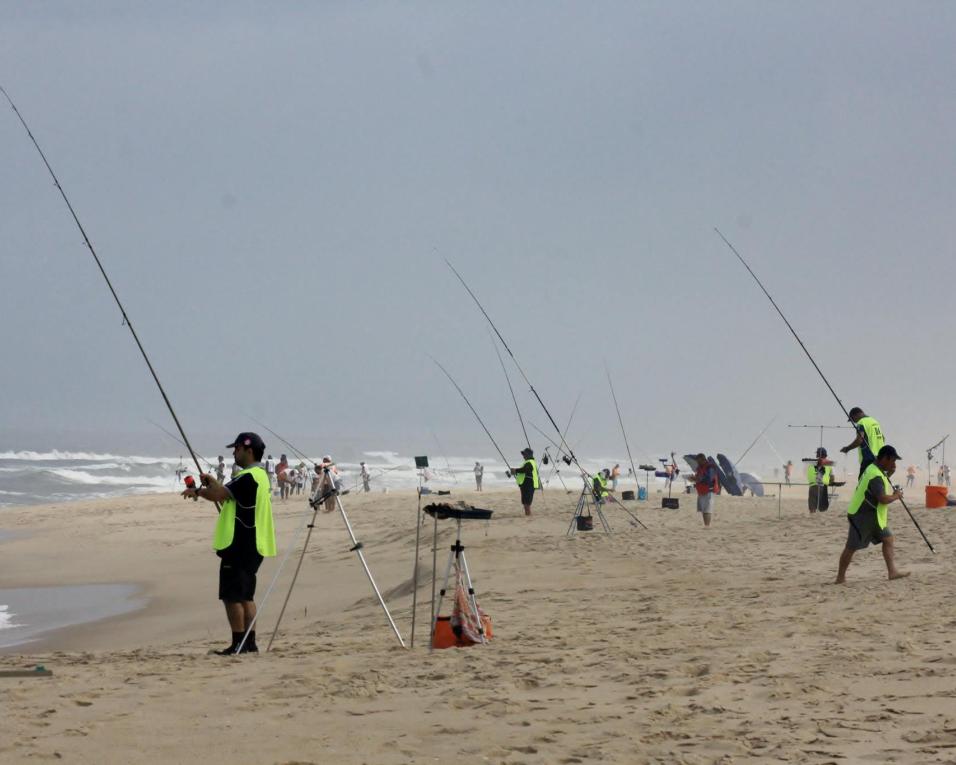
(822, 377)
(109, 284)
(512, 390)
(515, 360)
(590, 477)
(356, 545)
(564, 446)
(621, 421)
(554, 467)
(754, 442)
(477, 417)
(178, 440)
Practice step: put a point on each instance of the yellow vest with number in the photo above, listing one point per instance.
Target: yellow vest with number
(519, 477)
(858, 499)
(265, 531)
(872, 435)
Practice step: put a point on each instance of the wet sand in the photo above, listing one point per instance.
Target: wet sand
(676, 644)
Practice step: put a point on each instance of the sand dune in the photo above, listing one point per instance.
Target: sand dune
(676, 644)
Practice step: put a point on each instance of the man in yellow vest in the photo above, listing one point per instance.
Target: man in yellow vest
(869, 437)
(527, 478)
(820, 478)
(867, 513)
(599, 486)
(244, 535)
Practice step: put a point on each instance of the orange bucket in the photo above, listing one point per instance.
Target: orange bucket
(936, 496)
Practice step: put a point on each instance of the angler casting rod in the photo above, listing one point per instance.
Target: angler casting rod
(822, 377)
(356, 545)
(621, 421)
(109, 284)
(591, 478)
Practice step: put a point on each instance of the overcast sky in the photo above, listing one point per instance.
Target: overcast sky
(272, 188)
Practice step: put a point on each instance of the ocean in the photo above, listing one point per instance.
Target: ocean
(30, 478)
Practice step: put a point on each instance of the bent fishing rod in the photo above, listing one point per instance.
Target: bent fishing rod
(356, 545)
(815, 366)
(754, 442)
(109, 284)
(590, 477)
(621, 421)
(477, 416)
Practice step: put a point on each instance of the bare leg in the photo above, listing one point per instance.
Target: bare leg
(706, 519)
(527, 509)
(248, 613)
(845, 557)
(892, 571)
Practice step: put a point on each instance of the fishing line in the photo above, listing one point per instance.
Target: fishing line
(621, 421)
(109, 284)
(512, 391)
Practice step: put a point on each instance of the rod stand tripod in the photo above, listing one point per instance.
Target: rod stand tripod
(332, 491)
(585, 502)
(458, 562)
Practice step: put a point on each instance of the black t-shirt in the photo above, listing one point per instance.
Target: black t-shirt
(243, 547)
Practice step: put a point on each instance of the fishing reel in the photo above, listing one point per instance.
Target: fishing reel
(191, 484)
(546, 458)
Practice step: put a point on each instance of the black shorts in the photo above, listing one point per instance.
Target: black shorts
(527, 492)
(237, 580)
(865, 530)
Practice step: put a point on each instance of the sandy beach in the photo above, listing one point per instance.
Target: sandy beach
(675, 644)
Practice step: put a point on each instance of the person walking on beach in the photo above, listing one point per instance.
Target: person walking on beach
(221, 470)
(527, 479)
(282, 477)
(271, 472)
(243, 537)
(479, 474)
(911, 475)
(867, 514)
(705, 482)
(365, 478)
(615, 476)
(788, 471)
(869, 438)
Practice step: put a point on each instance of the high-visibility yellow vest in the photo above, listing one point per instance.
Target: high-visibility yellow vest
(265, 531)
(812, 475)
(600, 490)
(519, 477)
(872, 435)
(859, 496)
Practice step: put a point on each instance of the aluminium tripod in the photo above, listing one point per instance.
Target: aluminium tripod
(456, 559)
(585, 502)
(329, 490)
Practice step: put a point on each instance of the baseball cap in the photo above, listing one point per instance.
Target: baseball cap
(888, 451)
(527, 452)
(251, 440)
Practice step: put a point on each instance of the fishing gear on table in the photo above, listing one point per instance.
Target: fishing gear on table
(815, 366)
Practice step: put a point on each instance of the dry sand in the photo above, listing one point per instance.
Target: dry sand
(676, 644)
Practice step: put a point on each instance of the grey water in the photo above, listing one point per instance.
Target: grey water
(33, 612)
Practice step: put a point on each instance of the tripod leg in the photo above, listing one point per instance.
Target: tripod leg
(418, 535)
(441, 596)
(574, 518)
(295, 576)
(472, 600)
(357, 547)
(600, 514)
